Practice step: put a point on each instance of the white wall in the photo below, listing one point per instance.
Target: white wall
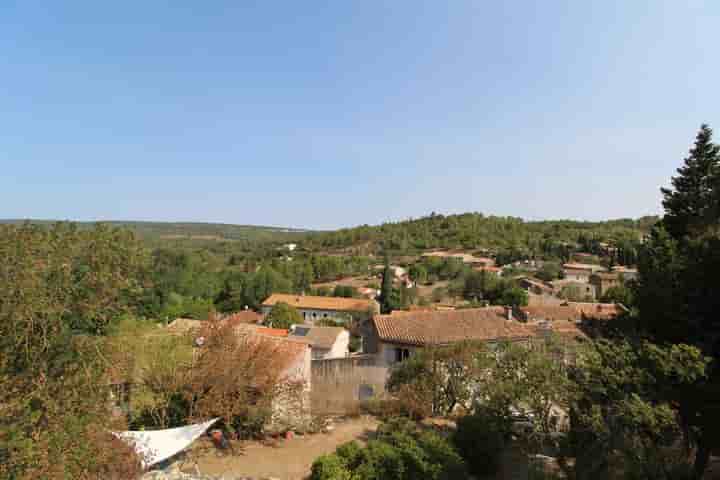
(341, 347)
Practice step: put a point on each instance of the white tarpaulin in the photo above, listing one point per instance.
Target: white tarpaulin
(154, 446)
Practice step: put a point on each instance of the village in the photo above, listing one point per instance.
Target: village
(343, 350)
(359, 240)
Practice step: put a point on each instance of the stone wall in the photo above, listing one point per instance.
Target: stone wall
(340, 384)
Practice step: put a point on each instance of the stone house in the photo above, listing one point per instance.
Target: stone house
(583, 287)
(580, 272)
(536, 287)
(315, 308)
(625, 273)
(325, 342)
(394, 338)
(602, 282)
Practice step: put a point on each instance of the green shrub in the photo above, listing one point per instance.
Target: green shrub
(401, 450)
(329, 467)
(481, 439)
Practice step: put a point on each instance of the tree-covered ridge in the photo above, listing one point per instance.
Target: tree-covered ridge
(197, 231)
(477, 231)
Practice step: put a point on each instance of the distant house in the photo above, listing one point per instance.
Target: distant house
(535, 286)
(568, 312)
(604, 281)
(325, 342)
(625, 272)
(243, 316)
(583, 287)
(466, 258)
(580, 272)
(393, 338)
(314, 308)
(496, 271)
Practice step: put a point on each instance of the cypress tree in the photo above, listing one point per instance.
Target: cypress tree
(386, 290)
(688, 202)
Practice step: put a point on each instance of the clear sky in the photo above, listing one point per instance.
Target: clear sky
(334, 113)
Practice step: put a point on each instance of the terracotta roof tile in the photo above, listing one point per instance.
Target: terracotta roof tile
(321, 303)
(318, 337)
(443, 327)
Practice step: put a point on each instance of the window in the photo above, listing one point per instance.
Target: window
(401, 354)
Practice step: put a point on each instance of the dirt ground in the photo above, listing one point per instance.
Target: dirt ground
(288, 459)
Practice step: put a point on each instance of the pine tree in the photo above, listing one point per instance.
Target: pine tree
(687, 204)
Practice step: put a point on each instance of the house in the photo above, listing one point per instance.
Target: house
(463, 257)
(368, 292)
(244, 316)
(496, 271)
(585, 289)
(535, 286)
(568, 312)
(314, 308)
(580, 272)
(393, 338)
(325, 342)
(625, 272)
(603, 281)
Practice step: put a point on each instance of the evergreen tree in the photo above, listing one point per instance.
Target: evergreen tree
(687, 203)
(677, 288)
(386, 290)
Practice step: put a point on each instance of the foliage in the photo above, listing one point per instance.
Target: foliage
(511, 238)
(401, 451)
(433, 381)
(688, 204)
(387, 299)
(345, 291)
(480, 439)
(241, 397)
(619, 294)
(62, 288)
(284, 316)
(549, 271)
(676, 293)
(622, 410)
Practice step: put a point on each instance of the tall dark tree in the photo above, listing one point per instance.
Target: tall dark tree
(687, 204)
(386, 290)
(677, 288)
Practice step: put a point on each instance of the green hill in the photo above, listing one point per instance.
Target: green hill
(475, 231)
(194, 232)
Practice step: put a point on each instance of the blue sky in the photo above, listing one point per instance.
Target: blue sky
(323, 114)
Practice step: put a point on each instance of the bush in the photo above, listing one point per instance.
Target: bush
(329, 467)
(481, 439)
(402, 450)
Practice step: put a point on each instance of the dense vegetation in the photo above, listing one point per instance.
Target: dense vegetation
(475, 231)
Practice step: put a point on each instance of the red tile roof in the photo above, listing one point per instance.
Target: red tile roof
(320, 303)
(443, 327)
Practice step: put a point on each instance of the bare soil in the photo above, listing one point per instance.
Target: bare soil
(285, 459)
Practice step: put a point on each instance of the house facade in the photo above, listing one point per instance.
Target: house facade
(315, 308)
(604, 281)
(396, 337)
(325, 342)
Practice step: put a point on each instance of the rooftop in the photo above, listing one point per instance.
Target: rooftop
(444, 327)
(320, 303)
(318, 337)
